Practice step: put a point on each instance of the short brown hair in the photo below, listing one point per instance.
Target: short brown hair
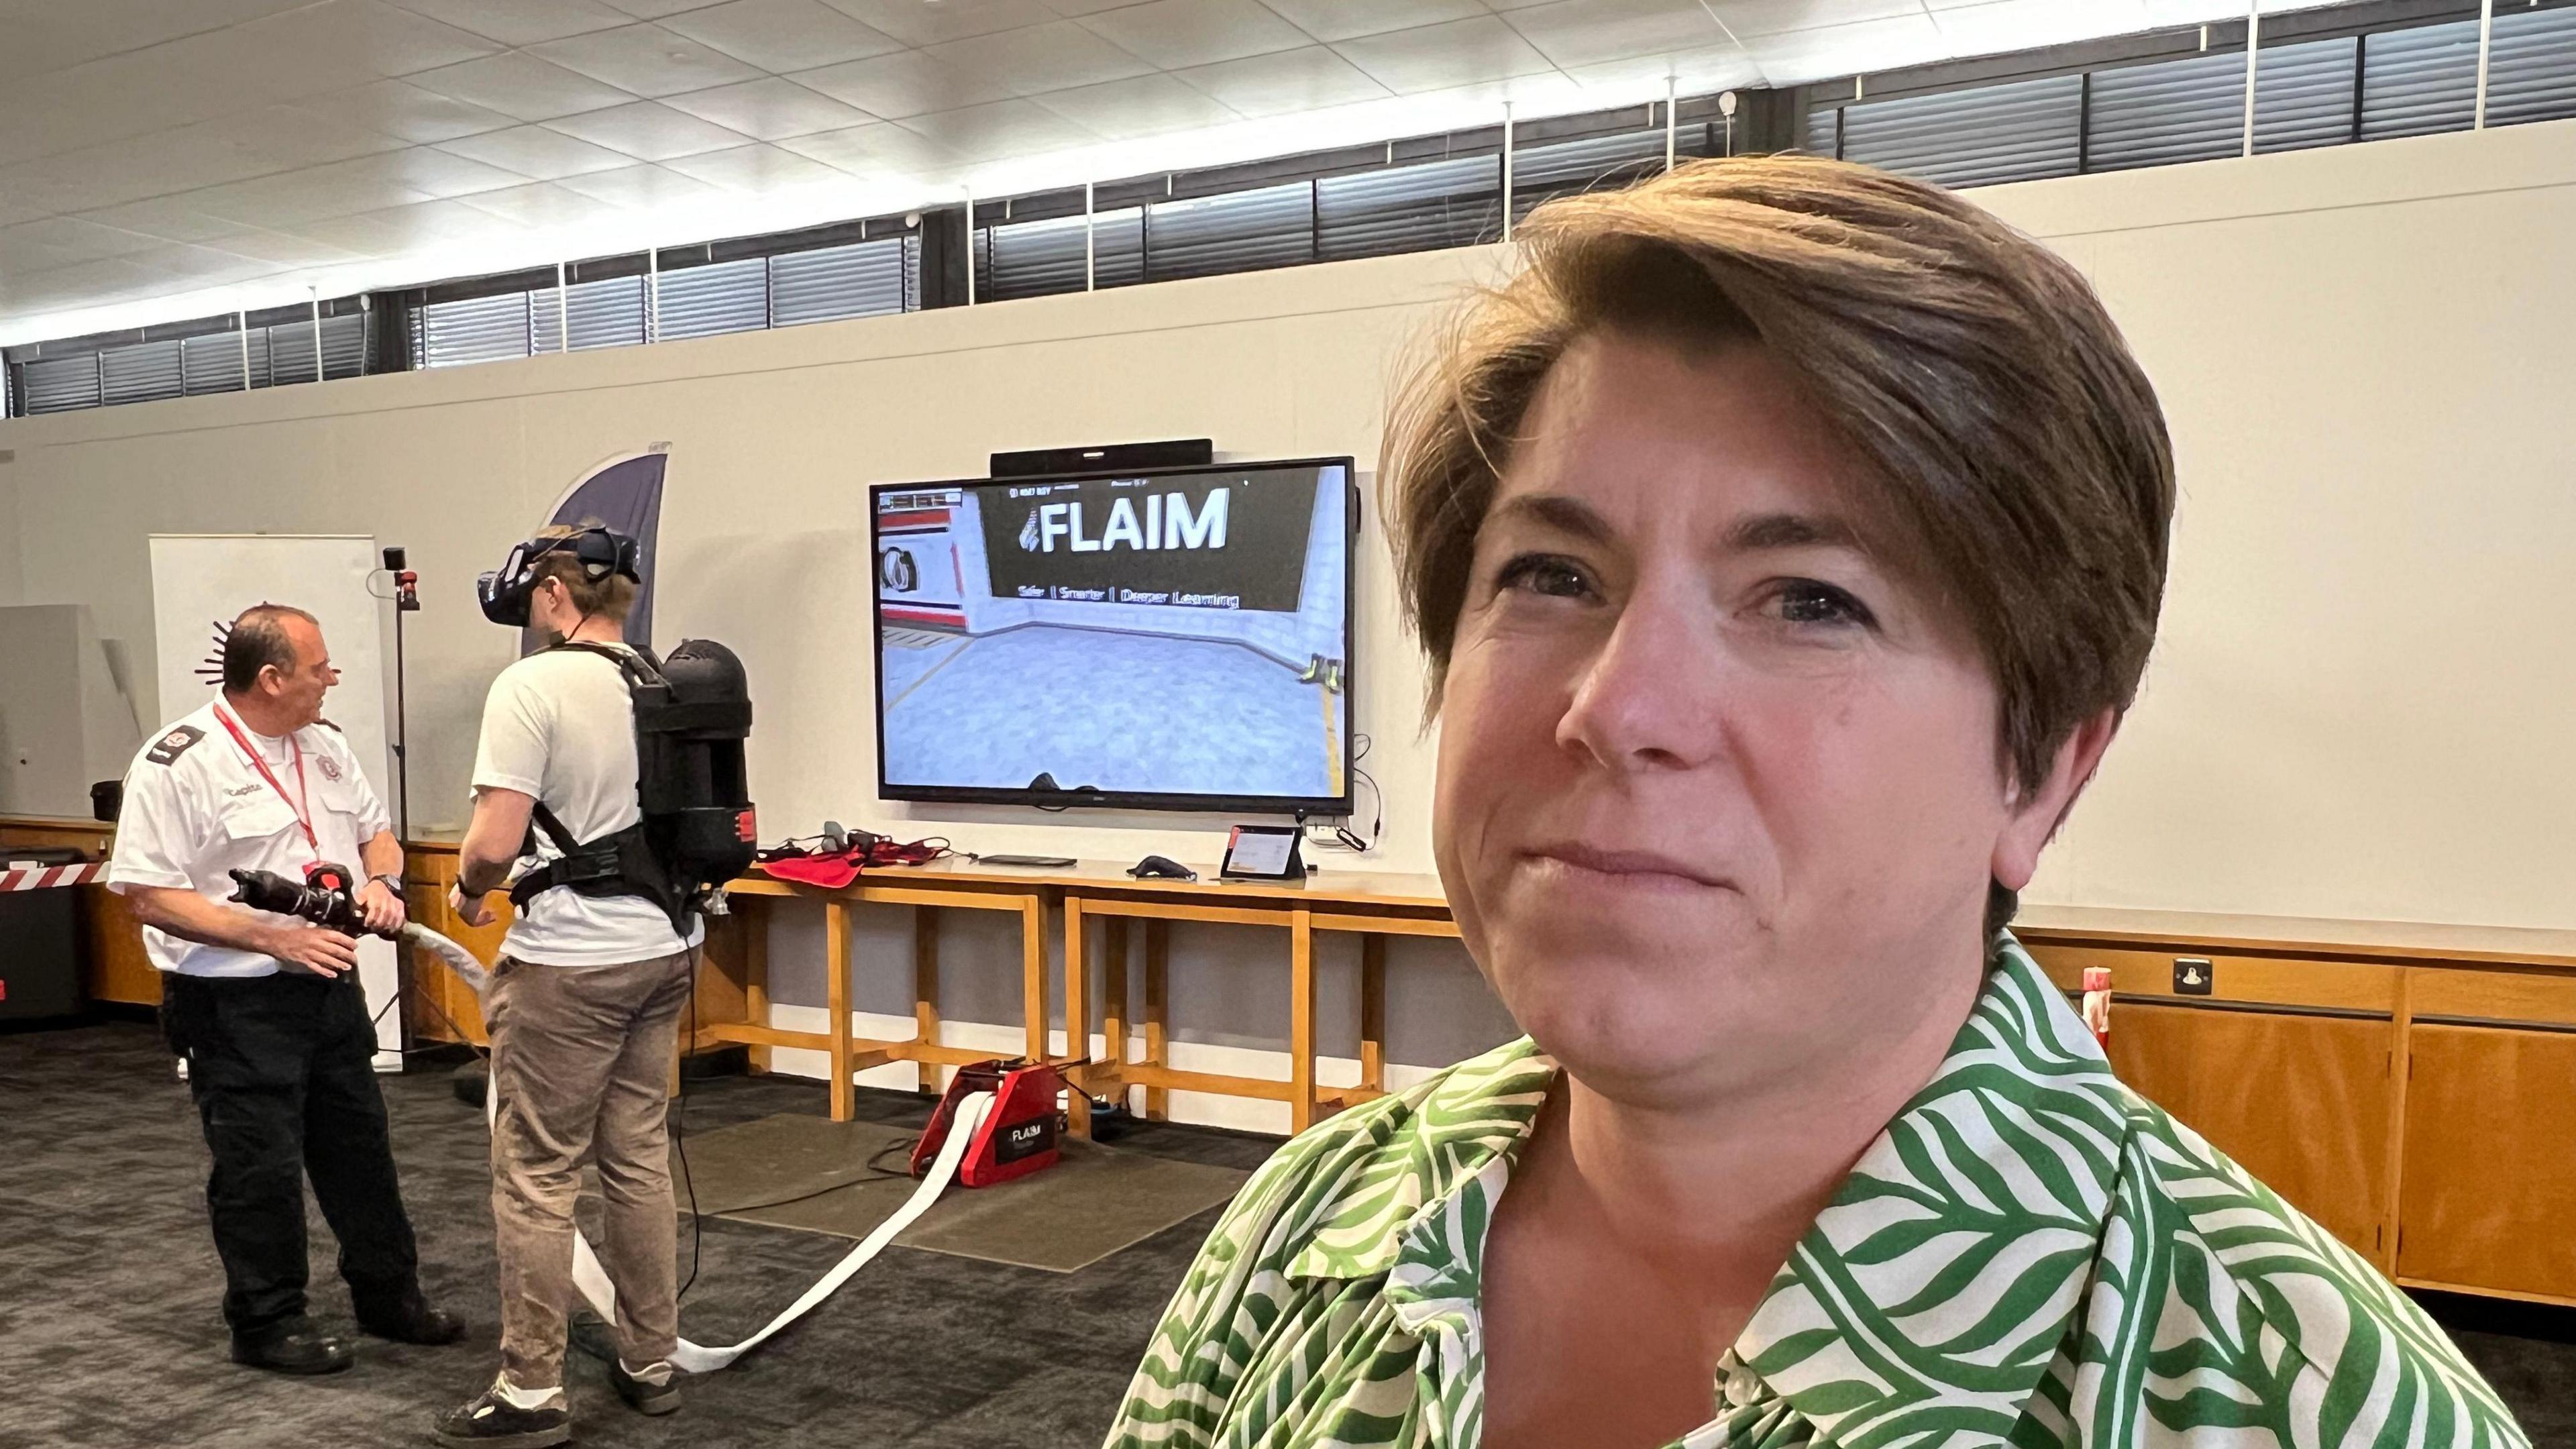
(609, 596)
(2016, 443)
(256, 640)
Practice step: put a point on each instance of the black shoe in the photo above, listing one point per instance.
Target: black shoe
(412, 1320)
(642, 1396)
(591, 1335)
(488, 1419)
(300, 1349)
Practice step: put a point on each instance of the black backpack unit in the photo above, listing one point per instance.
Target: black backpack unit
(692, 714)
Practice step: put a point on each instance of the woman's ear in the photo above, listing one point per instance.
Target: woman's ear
(2039, 807)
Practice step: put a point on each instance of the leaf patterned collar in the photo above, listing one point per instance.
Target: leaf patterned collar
(1943, 1276)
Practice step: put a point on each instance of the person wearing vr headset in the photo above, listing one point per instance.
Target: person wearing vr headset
(265, 1010)
(586, 996)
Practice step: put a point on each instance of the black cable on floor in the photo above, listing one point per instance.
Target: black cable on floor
(874, 1174)
(680, 1126)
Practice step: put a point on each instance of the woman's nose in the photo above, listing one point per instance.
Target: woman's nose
(1648, 700)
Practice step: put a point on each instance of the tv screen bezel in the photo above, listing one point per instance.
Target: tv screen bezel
(1327, 806)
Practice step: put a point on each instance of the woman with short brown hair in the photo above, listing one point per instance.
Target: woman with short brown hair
(1787, 540)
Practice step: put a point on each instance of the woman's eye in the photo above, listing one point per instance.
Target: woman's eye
(1545, 574)
(1805, 601)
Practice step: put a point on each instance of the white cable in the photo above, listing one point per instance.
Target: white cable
(592, 1279)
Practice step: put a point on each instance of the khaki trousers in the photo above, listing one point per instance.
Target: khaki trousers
(581, 1058)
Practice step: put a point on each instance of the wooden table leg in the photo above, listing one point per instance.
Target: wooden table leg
(836, 999)
(1158, 1101)
(1077, 1016)
(1373, 1013)
(925, 989)
(755, 971)
(1301, 1021)
(1113, 1003)
(1033, 977)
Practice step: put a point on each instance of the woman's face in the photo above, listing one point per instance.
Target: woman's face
(1719, 791)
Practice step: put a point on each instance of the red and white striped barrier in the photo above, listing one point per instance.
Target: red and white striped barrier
(47, 877)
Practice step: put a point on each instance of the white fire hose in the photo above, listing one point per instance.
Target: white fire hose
(589, 1277)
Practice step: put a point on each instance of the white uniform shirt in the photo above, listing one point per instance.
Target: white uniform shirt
(560, 726)
(196, 808)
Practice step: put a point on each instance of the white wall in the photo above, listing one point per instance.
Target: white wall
(2360, 708)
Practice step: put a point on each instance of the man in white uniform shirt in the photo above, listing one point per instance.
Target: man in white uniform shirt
(266, 1009)
(584, 1012)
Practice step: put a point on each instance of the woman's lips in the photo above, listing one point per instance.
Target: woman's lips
(1624, 869)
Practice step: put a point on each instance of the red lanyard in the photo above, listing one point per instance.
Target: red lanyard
(261, 765)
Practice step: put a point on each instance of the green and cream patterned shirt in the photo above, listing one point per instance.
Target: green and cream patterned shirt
(2030, 1255)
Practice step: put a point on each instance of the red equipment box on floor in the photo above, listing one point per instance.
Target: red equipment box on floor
(1018, 1136)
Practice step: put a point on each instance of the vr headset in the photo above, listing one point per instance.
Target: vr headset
(600, 551)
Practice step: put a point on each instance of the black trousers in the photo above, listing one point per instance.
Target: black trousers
(281, 1068)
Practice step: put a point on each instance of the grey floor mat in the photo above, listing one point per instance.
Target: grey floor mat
(795, 1171)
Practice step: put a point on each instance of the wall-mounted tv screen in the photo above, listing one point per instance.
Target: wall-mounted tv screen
(1178, 639)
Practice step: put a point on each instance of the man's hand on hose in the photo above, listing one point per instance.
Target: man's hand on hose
(308, 947)
(380, 908)
(473, 910)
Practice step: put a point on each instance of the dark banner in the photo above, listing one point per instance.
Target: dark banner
(626, 495)
(1206, 541)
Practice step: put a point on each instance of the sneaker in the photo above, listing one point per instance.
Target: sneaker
(493, 1421)
(641, 1391)
(296, 1347)
(591, 1334)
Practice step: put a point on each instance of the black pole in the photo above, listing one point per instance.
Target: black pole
(402, 732)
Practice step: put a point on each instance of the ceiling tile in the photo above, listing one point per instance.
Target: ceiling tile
(1000, 130)
(521, 22)
(1345, 19)
(1177, 33)
(403, 110)
(60, 241)
(1148, 105)
(875, 150)
(353, 38)
(639, 188)
(1797, 56)
(646, 60)
(756, 169)
(1075, 9)
(521, 86)
(1749, 18)
(655, 9)
(539, 204)
(1692, 72)
(1052, 57)
(917, 23)
(398, 229)
(906, 83)
(2007, 25)
(536, 151)
(1589, 32)
(45, 35)
(1437, 57)
(770, 110)
(649, 131)
(297, 197)
(168, 217)
(276, 247)
(1292, 80)
(783, 35)
(433, 172)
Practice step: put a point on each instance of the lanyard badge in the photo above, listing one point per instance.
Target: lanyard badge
(302, 812)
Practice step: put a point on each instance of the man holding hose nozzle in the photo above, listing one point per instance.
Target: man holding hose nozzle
(584, 1003)
(265, 1009)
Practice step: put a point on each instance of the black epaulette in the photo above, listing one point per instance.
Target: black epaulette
(326, 724)
(174, 744)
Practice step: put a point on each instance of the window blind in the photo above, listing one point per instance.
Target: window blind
(863, 279)
(2020, 131)
(2303, 94)
(1453, 202)
(60, 384)
(473, 329)
(706, 301)
(604, 313)
(1040, 258)
(2167, 113)
(2531, 66)
(144, 372)
(1238, 231)
(1541, 174)
(2416, 82)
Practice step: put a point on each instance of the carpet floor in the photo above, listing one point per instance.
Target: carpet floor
(110, 1334)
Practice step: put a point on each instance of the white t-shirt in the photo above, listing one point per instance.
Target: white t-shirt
(196, 809)
(560, 726)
